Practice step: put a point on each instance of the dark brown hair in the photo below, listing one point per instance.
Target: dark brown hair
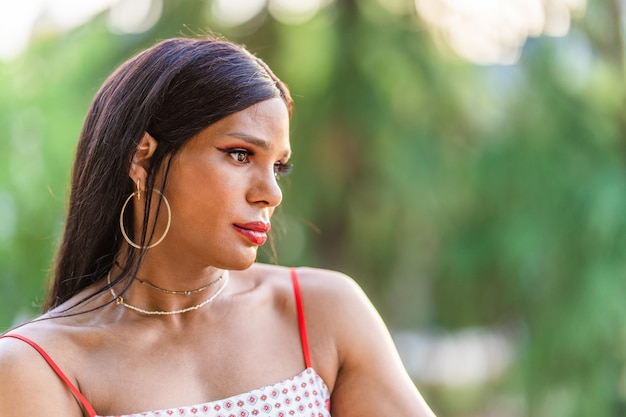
(172, 90)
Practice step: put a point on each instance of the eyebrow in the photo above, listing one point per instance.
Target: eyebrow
(253, 140)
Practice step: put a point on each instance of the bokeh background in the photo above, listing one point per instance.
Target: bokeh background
(463, 160)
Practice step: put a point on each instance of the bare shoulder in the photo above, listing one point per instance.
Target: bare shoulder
(354, 349)
(28, 384)
(333, 295)
(19, 347)
(327, 280)
(323, 290)
(19, 361)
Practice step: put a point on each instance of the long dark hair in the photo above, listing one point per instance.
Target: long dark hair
(172, 91)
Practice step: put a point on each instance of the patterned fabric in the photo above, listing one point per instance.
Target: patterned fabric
(304, 395)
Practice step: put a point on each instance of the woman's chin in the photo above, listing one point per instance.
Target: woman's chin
(245, 261)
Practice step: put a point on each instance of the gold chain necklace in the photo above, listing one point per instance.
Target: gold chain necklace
(119, 300)
(197, 290)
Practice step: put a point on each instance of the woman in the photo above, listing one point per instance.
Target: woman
(157, 306)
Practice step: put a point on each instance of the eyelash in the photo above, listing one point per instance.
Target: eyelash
(280, 168)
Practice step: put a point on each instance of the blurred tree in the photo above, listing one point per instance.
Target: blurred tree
(457, 195)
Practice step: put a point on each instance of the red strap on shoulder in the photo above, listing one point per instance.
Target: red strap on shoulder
(83, 401)
(301, 322)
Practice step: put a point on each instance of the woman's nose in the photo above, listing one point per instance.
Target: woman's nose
(265, 189)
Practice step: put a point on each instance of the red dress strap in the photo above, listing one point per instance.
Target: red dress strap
(81, 399)
(301, 322)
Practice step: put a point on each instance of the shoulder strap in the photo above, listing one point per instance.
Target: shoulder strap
(81, 399)
(301, 322)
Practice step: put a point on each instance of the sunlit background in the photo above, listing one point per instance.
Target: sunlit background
(463, 160)
(481, 31)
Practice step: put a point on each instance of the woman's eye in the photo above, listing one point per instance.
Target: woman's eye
(281, 169)
(239, 155)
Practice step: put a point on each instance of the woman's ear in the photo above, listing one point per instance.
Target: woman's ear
(141, 160)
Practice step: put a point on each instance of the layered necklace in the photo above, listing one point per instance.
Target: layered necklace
(119, 300)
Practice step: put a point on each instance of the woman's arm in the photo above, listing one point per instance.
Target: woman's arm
(370, 378)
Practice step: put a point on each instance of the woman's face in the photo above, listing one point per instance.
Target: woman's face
(223, 187)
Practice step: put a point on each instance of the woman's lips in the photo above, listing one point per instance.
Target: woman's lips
(255, 232)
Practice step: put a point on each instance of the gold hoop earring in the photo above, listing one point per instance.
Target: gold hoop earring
(167, 228)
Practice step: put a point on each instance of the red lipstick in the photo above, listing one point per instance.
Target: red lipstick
(255, 232)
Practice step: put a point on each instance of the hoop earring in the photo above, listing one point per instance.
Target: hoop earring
(167, 228)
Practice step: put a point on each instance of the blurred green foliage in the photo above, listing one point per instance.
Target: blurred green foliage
(457, 195)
